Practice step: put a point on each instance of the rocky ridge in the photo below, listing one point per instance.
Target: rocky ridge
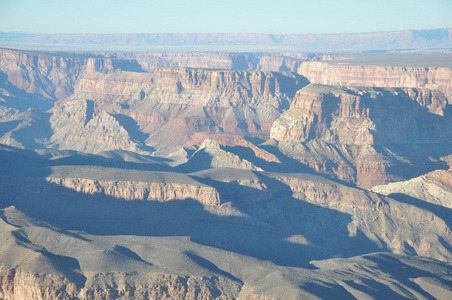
(434, 187)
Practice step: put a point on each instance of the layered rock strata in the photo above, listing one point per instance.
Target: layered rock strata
(360, 134)
(166, 108)
(434, 78)
(434, 187)
(136, 190)
(52, 76)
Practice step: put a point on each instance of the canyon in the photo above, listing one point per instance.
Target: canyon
(220, 175)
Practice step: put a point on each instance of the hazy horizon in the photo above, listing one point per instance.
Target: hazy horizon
(265, 17)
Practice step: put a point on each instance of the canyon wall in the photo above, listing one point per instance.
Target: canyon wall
(233, 88)
(51, 76)
(434, 78)
(336, 129)
(147, 191)
(150, 61)
(54, 75)
(169, 106)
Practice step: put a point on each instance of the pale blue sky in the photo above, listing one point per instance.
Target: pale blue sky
(177, 16)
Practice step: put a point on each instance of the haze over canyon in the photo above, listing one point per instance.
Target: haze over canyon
(274, 173)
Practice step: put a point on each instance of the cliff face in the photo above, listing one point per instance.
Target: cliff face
(279, 63)
(232, 88)
(117, 84)
(53, 76)
(339, 128)
(148, 191)
(16, 284)
(150, 61)
(167, 107)
(47, 75)
(434, 78)
(361, 206)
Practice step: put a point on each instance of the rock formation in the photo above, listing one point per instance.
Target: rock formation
(434, 78)
(359, 134)
(434, 187)
(165, 108)
(53, 76)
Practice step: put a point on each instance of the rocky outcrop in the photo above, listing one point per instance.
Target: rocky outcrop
(17, 284)
(283, 62)
(357, 132)
(434, 78)
(211, 155)
(136, 190)
(77, 127)
(434, 187)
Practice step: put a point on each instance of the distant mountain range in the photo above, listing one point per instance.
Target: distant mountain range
(371, 41)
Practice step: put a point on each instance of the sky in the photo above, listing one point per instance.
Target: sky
(200, 16)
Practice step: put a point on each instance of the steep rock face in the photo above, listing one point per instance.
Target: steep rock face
(433, 78)
(150, 191)
(186, 101)
(166, 108)
(54, 76)
(363, 115)
(230, 87)
(118, 83)
(150, 61)
(16, 284)
(335, 130)
(50, 76)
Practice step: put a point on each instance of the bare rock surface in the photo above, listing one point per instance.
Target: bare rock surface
(166, 108)
(435, 78)
(434, 187)
(359, 135)
(51, 76)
